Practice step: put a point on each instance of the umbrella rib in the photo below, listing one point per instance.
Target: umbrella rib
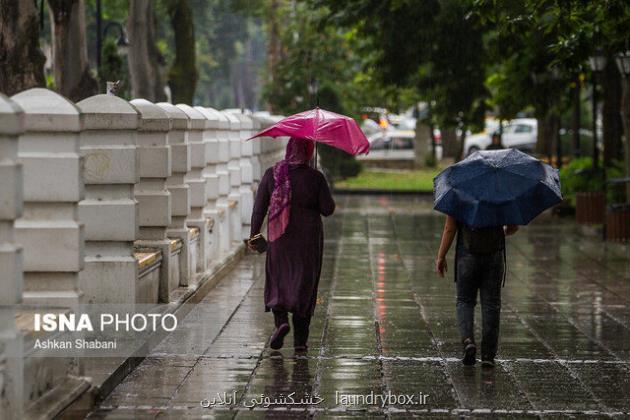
(510, 151)
(519, 175)
(470, 178)
(508, 169)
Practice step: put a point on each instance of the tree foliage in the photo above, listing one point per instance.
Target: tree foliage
(433, 46)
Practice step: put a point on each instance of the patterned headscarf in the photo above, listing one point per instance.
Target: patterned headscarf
(299, 152)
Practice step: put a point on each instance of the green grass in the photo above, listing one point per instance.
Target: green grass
(418, 180)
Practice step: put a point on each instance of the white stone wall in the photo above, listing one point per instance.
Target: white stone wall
(179, 188)
(11, 368)
(198, 195)
(107, 182)
(271, 150)
(212, 182)
(217, 137)
(49, 230)
(246, 189)
(236, 177)
(224, 204)
(110, 201)
(109, 210)
(256, 152)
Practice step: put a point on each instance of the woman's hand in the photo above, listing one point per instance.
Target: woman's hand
(249, 244)
(441, 267)
(450, 229)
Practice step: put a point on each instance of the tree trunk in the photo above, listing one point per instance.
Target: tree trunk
(237, 84)
(182, 77)
(21, 60)
(144, 57)
(547, 131)
(611, 118)
(69, 49)
(576, 120)
(460, 144)
(422, 143)
(273, 40)
(625, 117)
(449, 142)
(541, 141)
(249, 75)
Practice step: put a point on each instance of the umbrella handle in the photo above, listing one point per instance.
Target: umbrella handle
(314, 158)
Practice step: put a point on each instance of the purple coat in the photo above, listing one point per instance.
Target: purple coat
(294, 261)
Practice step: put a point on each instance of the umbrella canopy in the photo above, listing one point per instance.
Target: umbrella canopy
(321, 126)
(496, 188)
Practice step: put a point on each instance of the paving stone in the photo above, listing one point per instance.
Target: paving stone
(385, 324)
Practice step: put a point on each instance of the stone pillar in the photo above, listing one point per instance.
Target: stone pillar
(49, 229)
(180, 191)
(11, 368)
(154, 198)
(223, 203)
(246, 189)
(109, 211)
(197, 184)
(234, 168)
(212, 210)
(257, 149)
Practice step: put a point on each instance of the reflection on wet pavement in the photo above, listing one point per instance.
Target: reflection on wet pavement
(384, 342)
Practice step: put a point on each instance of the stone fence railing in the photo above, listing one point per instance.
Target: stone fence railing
(109, 201)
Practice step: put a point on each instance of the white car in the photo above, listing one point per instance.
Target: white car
(395, 145)
(519, 134)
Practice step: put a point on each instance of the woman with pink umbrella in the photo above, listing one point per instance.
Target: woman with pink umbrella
(294, 196)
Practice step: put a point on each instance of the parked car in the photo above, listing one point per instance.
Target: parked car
(519, 134)
(395, 145)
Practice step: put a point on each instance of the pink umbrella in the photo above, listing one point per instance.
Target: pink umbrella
(321, 126)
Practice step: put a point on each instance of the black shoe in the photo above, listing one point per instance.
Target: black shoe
(470, 353)
(277, 339)
(301, 350)
(487, 362)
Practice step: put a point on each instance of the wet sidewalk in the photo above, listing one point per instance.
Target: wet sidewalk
(385, 327)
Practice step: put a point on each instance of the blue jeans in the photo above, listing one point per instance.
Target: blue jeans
(483, 273)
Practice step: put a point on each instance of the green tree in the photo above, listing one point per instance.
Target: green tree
(552, 36)
(182, 76)
(434, 46)
(337, 163)
(322, 65)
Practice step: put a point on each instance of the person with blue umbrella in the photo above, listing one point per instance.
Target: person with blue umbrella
(486, 197)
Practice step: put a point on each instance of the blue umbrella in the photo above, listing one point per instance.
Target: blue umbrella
(496, 188)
